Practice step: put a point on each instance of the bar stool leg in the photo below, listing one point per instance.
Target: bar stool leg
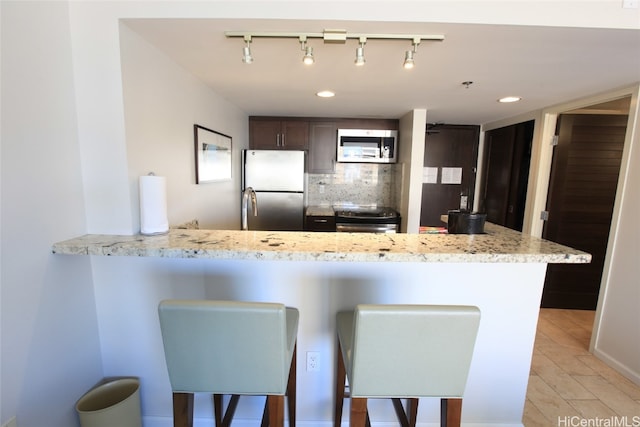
(412, 411)
(276, 410)
(341, 375)
(291, 388)
(358, 416)
(217, 409)
(450, 412)
(182, 409)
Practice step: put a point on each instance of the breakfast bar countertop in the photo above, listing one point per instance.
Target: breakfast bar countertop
(497, 245)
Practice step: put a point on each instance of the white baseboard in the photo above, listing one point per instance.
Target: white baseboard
(615, 364)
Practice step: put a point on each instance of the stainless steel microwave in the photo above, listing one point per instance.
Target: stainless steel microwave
(367, 146)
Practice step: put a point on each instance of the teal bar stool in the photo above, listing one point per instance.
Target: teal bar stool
(404, 352)
(230, 348)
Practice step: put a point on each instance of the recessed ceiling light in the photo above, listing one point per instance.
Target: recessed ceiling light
(508, 99)
(326, 94)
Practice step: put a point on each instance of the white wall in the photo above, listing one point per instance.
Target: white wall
(49, 334)
(618, 315)
(413, 127)
(162, 102)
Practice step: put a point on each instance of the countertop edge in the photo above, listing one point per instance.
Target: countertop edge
(499, 245)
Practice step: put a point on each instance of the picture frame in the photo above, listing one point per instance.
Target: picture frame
(212, 155)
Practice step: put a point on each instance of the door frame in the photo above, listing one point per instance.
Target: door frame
(540, 172)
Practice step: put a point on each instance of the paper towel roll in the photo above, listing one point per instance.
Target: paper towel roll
(153, 205)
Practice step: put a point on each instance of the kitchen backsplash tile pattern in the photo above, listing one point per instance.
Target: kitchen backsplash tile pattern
(354, 183)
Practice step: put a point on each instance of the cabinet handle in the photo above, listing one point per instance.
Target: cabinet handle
(283, 139)
(277, 140)
(320, 220)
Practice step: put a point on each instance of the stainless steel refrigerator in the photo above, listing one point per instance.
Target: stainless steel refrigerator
(277, 177)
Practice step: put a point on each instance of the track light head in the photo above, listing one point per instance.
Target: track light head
(408, 60)
(360, 53)
(408, 55)
(247, 58)
(308, 58)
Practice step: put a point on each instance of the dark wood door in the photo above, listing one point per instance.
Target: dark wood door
(582, 190)
(507, 161)
(450, 146)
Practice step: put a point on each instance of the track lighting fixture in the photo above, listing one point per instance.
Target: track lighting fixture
(408, 55)
(334, 37)
(360, 52)
(308, 51)
(247, 58)
(408, 60)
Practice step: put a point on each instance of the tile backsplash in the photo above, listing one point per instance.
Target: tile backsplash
(354, 183)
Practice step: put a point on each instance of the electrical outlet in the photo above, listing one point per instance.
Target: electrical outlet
(313, 361)
(629, 4)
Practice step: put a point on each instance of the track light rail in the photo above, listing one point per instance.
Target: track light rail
(335, 36)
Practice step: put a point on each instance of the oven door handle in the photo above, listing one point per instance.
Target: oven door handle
(365, 228)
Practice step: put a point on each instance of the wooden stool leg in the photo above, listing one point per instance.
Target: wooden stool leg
(358, 415)
(291, 388)
(265, 414)
(412, 411)
(407, 418)
(182, 409)
(276, 410)
(217, 409)
(341, 375)
(450, 412)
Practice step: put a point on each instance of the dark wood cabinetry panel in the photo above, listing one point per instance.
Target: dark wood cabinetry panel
(449, 146)
(506, 174)
(267, 133)
(320, 223)
(322, 147)
(383, 124)
(582, 191)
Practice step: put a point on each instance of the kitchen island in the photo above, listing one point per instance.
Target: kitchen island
(502, 272)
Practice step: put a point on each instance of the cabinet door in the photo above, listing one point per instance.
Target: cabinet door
(322, 147)
(264, 134)
(295, 135)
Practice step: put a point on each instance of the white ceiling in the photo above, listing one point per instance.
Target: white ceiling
(543, 65)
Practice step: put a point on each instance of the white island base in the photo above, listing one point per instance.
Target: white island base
(501, 272)
(508, 296)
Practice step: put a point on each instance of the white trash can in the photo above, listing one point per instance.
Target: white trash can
(115, 403)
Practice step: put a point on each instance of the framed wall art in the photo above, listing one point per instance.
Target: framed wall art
(213, 155)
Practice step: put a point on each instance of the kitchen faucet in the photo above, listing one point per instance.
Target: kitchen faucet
(246, 194)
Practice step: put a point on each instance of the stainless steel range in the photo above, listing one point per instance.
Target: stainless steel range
(367, 220)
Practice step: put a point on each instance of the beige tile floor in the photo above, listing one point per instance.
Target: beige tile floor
(568, 385)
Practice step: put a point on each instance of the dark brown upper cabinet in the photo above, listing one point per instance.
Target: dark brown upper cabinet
(273, 133)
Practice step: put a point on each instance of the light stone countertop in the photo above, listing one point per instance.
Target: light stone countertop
(498, 245)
